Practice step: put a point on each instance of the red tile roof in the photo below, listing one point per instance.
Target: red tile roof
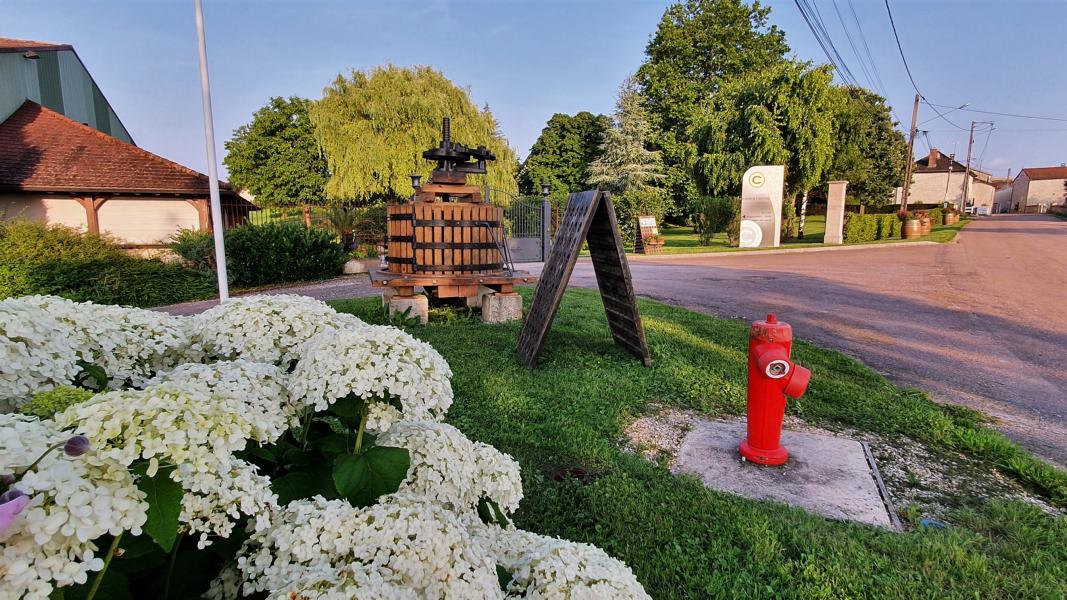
(14, 45)
(42, 150)
(1046, 173)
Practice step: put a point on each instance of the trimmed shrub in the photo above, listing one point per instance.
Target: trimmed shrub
(195, 247)
(860, 228)
(24, 243)
(281, 252)
(888, 226)
(711, 215)
(120, 280)
(936, 216)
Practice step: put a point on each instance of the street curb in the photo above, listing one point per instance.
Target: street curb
(655, 257)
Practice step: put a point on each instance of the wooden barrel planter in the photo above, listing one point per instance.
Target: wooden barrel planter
(912, 228)
(445, 238)
(951, 218)
(927, 225)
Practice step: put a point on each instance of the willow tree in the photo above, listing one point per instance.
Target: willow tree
(781, 115)
(374, 126)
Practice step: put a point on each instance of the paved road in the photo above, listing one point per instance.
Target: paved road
(981, 322)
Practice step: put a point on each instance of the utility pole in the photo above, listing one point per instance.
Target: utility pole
(911, 159)
(967, 172)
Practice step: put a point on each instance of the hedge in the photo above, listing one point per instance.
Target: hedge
(868, 228)
(52, 259)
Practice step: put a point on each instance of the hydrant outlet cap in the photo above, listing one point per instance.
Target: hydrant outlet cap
(798, 382)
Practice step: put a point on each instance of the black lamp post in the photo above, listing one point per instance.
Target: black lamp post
(416, 180)
(546, 220)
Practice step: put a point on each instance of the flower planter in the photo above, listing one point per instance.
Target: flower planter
(913, 228)
(951, 218)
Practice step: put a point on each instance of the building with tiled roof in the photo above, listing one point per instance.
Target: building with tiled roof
(53, 76)
(86, 173)
(938, 178)
(1039, 189)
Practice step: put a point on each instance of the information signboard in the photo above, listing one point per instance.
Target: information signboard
(761, 207)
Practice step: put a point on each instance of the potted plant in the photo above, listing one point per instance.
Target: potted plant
(950, 216)
(913, 227)
(652, 243)
(362, 259)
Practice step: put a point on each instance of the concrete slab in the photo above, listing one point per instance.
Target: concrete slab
(825, 474)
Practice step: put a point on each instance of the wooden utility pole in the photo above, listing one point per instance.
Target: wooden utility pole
(911, 159)
(967, 172)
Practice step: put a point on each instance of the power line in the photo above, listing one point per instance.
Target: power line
(1002, 114)
(985, 145)
(867, 48)
(855, 50)
(825, 43)
(900, 47)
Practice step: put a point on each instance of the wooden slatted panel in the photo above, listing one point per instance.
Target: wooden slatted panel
(589, 217)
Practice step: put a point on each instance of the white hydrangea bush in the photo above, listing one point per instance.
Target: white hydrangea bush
(454, 471)
(35, 352)
(195, 430)
(73, 501)
(197, 393)
(374, 363)
(266, 329)
(403, 542)
(130, 344)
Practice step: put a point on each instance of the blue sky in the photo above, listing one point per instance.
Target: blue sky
(528, 60)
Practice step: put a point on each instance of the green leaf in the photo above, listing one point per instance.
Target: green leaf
(349, 408)
(490, 513)
(306, 483)
(503, 577)
(362, 478)
(91, 377)
(164, 497)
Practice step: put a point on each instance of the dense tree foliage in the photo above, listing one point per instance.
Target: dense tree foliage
(870, 150)
(626, 166)
(374, 126)
(561, 155)
(783, 115)
(699, 45)
(276, 157)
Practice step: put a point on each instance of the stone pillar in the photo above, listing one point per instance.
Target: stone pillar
(501, 308)
(419, 307)
(835, 213)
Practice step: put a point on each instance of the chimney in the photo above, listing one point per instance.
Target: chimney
(935, 155)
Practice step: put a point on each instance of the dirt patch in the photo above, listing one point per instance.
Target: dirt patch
(922, 482)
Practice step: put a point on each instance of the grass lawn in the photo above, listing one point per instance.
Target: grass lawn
(685, 541)
(682, 240)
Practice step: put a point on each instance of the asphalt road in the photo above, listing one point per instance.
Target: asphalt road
(981, 322)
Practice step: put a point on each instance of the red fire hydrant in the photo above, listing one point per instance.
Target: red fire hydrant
(771, 377)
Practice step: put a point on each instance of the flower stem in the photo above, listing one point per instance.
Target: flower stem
(107, 561)
(40, 458)
(362, 428)
(305, 428)
(170, 565)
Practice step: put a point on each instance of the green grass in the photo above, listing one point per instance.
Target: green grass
(685, 541)
(682, 240)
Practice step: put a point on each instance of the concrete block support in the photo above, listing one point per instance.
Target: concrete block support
(501, 308)
(418, 305)
(835, 213)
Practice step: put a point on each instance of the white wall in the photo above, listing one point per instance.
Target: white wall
(146, 222)
(45, 209)
(1002, 199)
(1045, 191)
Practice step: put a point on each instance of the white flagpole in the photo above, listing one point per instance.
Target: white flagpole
(212, 169)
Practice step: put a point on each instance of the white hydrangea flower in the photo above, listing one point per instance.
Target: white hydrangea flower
(262, 385)
(451, 470)
(196, 430)
(345, 583)
(266, 329)
(72, 502)
(35, 352)
(329, 547)
(373, 362)
(547, 568)
(130, 344)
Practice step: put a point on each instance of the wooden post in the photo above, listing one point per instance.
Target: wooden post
(203, 212)
(92, 212)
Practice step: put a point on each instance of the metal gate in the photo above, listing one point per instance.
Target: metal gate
(526, 225)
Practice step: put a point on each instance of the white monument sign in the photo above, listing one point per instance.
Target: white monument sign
(761, 207)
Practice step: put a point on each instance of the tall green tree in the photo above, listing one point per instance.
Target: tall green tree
(699, 45)
(276, 157)
(778, 115)
(626, 167)
(562, 153)
(870, 150)
(374, 126)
